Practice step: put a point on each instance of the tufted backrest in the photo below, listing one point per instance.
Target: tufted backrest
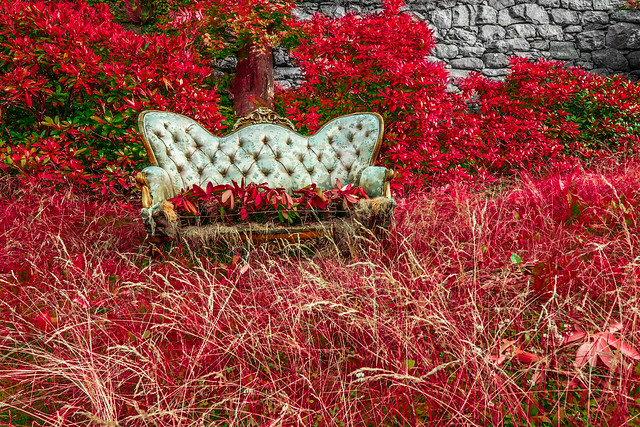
(261, 152)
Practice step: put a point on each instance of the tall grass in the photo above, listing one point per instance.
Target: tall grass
(459, 318)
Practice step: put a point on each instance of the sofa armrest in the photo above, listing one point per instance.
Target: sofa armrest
(157, 214)
(156, 186)
(375, 181)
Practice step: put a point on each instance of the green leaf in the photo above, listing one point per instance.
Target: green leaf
(515, 258)
(408, 363)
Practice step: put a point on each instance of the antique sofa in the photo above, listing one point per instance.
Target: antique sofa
(262, 147)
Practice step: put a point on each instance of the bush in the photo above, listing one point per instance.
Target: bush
(73, 84)
(358, 63)
(545, 116)
(546, 112)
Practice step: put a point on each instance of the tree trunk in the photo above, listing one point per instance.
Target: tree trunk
(253, 86)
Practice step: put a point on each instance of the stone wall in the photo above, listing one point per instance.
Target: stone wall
(480, 35)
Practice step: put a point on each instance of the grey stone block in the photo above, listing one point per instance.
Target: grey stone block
(460, 16)
(505, 19)
(593, 17)
(285, 84)
(495, 72)
(551, 32)
(565, 16)
(287, 73)
(524, 31)
(586, 65)
(465, 36)
(501, 4)
(563, 50)
(634, 60)
(517, 45)
(529, 13)
(623, 36)
(228, 63)
(458, 74)
(632, 16)
(495, 60)
(549, 3)
(591, 27)
(301, 14)
(577, 4)
(611, 59)
(486, 15)
(489, 33)
(606, 4)
(419, 16)
(446, 51)
(590, 40)
(500, 46)
(441, 18)
(573, 29)
(540, 44)
(467, 63)
(474, 51)
(281, 57)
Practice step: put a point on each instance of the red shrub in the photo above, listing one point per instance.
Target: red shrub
(74, 81)
(544, 117)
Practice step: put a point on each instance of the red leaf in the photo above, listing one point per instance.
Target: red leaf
(602, 350)
(526, 357)
(576, 336)
(625, 348)
(190, 208)
(614, 327)
(585, 354)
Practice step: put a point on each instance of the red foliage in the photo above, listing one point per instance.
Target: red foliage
(543, 117)
(408, 330)
(237, 199)
(74, 82)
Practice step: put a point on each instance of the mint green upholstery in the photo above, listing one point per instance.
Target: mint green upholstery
(259, 153)
(184, 154)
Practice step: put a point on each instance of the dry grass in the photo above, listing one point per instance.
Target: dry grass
(96, 331)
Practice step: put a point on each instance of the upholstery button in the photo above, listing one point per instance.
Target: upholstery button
(265, 139)
(288, 141)
(359, 126)
(300, 157)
